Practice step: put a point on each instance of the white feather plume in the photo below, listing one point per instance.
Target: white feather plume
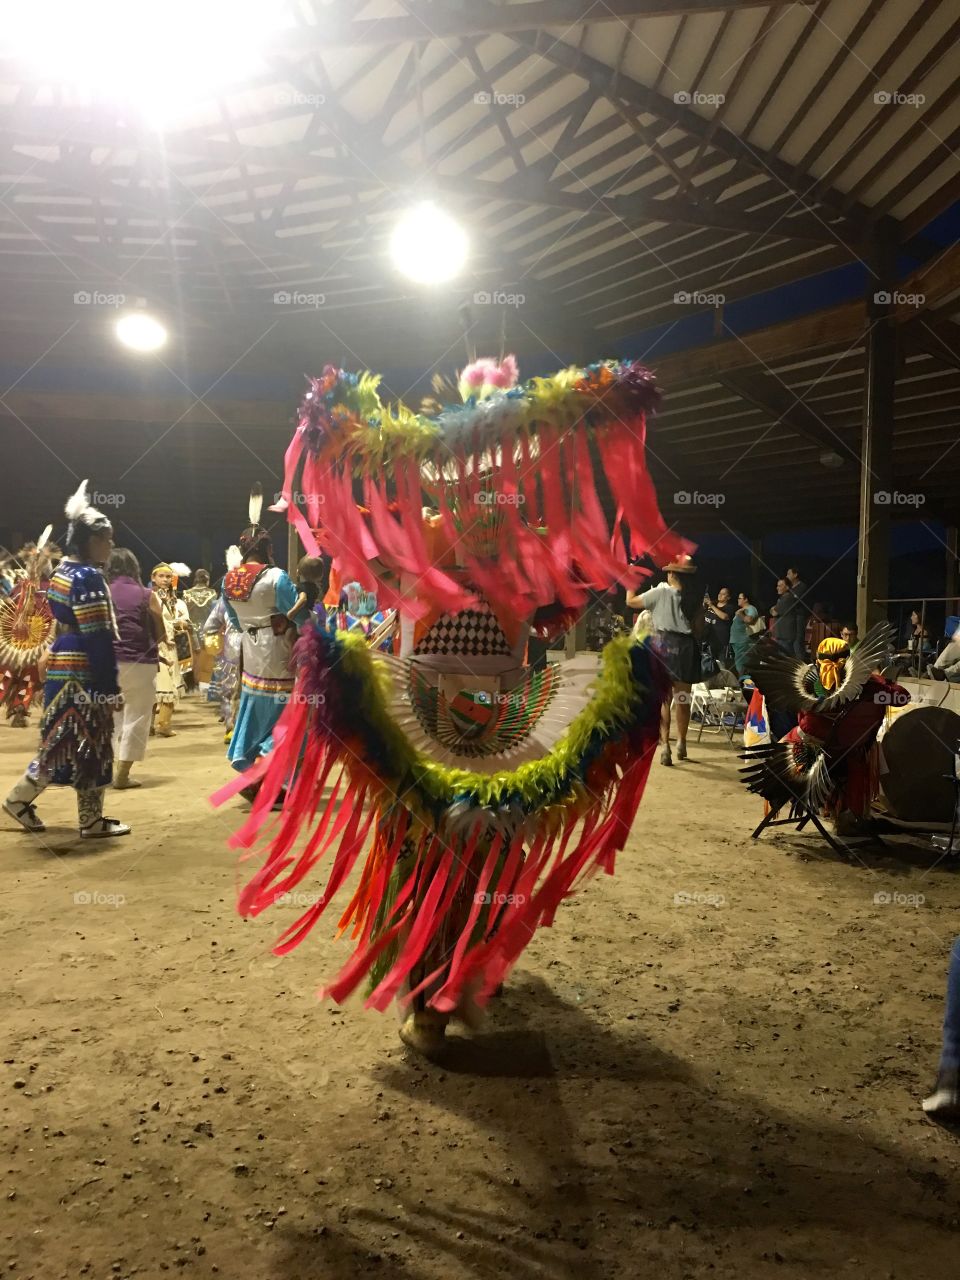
(256, 503)
(44, 537)
(234, 557)
(180, 569)
(78, 504)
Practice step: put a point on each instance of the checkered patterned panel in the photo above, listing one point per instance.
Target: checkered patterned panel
(472, 632)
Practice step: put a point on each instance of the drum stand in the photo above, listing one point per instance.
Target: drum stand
(798, 818)
(951, 844)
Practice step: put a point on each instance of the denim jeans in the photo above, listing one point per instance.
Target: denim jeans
(950, 1056)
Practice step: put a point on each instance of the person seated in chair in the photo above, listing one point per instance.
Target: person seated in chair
(947, 665)
(917, 647)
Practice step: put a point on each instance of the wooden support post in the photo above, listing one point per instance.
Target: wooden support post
(953, 568)
(293, 551)
(580, 635)
(876, 454)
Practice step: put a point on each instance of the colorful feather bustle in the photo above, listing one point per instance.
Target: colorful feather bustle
(478, 861)
(533, 462)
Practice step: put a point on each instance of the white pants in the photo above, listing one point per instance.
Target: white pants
(132, 721)
(949, 660)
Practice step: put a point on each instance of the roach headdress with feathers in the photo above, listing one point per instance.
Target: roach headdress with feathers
(83, 518)
(255, 539)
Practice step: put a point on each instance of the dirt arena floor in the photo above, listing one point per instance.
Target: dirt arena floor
(710, 1066)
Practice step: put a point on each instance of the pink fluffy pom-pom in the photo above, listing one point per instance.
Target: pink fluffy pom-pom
(510, 371)
(474, 375)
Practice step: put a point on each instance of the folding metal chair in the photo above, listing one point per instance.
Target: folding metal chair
(719, 710)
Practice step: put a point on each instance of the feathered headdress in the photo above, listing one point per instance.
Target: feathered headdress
(38, 557)
(233, 557)
(80, 512)
(255, 537)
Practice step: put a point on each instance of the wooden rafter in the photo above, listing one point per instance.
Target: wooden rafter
(787, 409)
(337, 26)
(684, 117)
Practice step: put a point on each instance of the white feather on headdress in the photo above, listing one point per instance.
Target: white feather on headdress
(180, 569)
(79, 510)
(234, 557)
(78, 504)
(255, 506)
(44, 537)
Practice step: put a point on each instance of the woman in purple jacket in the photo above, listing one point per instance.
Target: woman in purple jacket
(140, 626)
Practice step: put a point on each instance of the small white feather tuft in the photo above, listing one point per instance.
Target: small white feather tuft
(77, 504)
(180, 569)
(234, 557)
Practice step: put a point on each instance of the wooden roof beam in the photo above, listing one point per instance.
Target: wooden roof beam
(841, 326)
(783, 407)
(605, 80)
(936, 336)
(478, 18)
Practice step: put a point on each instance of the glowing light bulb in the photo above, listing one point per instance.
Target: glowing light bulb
(158, 59)
(428, 245)
(141, 332)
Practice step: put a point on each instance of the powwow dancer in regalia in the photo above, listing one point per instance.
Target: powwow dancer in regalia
(491, 790)
(223, 640)
(257, 597)
(27, 628)
(81, 687)
(170, 682)
(829, 761)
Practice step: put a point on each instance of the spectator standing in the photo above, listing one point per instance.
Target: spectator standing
(718, 619)
(788, 627)
(798, 589)
(944, 1103)
(140, 627)
(744, 629)
(677, 611)
(796, 583)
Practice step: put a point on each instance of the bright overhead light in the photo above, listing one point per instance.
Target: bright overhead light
(141, 332)
(156, 58)
(427, 245)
